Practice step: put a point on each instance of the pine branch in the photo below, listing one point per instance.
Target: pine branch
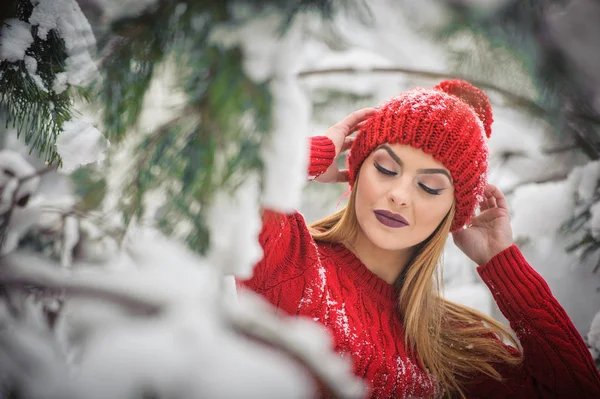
(524, 27)
(18, 273)
(15, 201)
(34, 109)
(513, 99)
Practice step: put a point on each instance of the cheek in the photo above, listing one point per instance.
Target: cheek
(432, 214)
(369, 193)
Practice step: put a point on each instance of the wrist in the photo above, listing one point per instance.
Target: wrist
(493, 252)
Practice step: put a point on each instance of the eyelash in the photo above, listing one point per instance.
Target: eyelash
(387, 172)
(429, 190)
(384, 170)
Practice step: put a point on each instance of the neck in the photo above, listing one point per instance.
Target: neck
(385, 264)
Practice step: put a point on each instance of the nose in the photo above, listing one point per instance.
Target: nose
(401, 192)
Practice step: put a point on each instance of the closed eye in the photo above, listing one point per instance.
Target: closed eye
(429, 190)
(384, 170)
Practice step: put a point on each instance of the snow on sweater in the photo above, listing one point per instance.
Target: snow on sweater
(329, 284)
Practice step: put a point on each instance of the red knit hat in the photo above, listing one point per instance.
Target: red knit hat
(452, 122)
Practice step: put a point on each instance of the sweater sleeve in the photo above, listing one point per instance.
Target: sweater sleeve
(556, 362)
(289, 249)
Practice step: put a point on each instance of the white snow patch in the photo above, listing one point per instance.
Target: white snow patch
(234, 223)
(13, 168)
(80, 143)
(73, 27)
(594, 336)
(587, 178)
(594, 221)
(534, 203)
(285, 156)
(31, 66)
(259, 39)
(15, 39)
(60, 82)
(475, 296)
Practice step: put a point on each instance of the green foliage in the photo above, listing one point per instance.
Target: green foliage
(90, 186)
(209, 146)
(587, 244)
(36, 112)
(518, 28)
(212, 142)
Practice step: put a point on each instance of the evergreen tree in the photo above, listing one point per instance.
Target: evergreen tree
(207, 153)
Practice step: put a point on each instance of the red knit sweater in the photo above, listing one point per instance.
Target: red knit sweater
(329, 284)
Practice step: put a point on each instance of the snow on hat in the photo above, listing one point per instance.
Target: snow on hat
(451, 122)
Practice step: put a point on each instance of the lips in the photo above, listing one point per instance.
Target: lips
(390, 219)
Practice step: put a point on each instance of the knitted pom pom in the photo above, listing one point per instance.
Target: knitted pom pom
(473, 96)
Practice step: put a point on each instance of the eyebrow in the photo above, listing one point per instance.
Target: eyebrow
(429, 171)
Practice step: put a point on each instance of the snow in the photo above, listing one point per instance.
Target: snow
(73, 27)
(285, 155)
(170, 311)
(532, 205)
(593, 336)
(475, 296)
(484, 5)
(116, 9)
(198, 358)
(234, 223)
(513, 133)
(361, 60)
(80, 143)
(30, 355)
(70, 239)
(259, 39)
(31, 66)
(60, 82)
(309, 341)
(193, 329)
(587, 178)
(387, 29)
(46, 193)
(594, 222)
(13, 168)
(15, 39)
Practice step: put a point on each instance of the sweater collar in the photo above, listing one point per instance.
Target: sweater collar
(377, 288)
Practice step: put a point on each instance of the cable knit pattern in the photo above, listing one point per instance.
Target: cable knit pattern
(329, 284)
(322, 153)
(557, 362)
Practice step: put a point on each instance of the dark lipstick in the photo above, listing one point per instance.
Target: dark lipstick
(390, 219)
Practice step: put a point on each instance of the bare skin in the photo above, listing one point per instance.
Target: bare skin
(488, 233)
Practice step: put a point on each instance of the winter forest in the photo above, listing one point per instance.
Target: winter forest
(140, 139)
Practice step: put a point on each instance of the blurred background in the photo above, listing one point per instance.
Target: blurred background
(125, 122)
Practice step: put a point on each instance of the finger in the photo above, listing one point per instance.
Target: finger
(343, 176)
(349, 123)
(360, 126)
(348, 141)
(499, 198)
(485, 217)
(483, 205)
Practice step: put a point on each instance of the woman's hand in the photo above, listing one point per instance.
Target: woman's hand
(489, 232)
(339, 134)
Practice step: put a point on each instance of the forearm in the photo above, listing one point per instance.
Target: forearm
(554, 353)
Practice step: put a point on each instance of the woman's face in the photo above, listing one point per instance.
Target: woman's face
(403, 196)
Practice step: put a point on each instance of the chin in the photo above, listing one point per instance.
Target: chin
(388, 240)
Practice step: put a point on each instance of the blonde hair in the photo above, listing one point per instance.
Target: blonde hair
(452, 340)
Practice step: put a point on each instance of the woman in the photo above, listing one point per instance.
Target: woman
(417, 170)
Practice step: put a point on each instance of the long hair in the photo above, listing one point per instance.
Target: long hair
(451, 341)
